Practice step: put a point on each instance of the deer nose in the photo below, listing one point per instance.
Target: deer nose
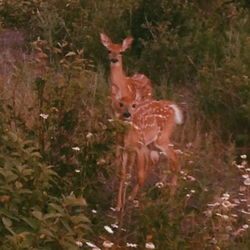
(126, 115)
(113, 60)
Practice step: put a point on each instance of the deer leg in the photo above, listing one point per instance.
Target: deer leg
(163, 143)
(141, 172)
(121, 194)
(175, 167)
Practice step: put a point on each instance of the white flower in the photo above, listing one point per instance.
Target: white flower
(159, 185)
(243, 156)
(150, 245)
(108, 229)
(77, 170)
(79, 243)
(225, 196)
(94, 211)
(226, 204)
(89, 135)
(216, 204)
(114, 225)
(191, 178)
(246, 226)
(101, 161)
(247, 182)
(76, 148)
(131, 245)
(136, 203)
(244, 212)
(90, 244)
(225, 217)
(107, 244)
(44, 116)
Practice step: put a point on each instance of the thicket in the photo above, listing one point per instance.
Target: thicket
(58, 174)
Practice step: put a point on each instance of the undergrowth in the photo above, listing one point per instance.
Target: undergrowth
(58, 172)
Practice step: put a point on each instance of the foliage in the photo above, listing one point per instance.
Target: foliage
(58, 138)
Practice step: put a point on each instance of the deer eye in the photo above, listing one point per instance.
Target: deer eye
(109, 51)
(121, 104)
(133, 106)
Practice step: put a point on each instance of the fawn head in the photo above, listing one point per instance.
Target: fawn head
(115, 50)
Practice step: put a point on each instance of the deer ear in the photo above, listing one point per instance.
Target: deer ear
(106, 41)
(127, 43)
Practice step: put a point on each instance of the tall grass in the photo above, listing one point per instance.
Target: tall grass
(57, 136)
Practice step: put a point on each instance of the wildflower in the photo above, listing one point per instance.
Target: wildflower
(136, 203)
(244, 212)
(108, 244)
(246, 226)
(79, 243)
(159, 185)
(192, 191)
(245, 176)
(247, 182)
(216, 204)
(225, 196)
(150, 245)
(76, 148)
(239, 166)
(101, 161)
(178, 151)
(77, 170)
(89, 135)
(88, 243)
(114, 225)
(243, 156)
(44, 116)
(226, 204)
(225, 217)
(191, 178)
(108, 229)
(94, 211)
(234, 215)
(131, 245)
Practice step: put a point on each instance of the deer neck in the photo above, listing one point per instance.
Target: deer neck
(118, 77)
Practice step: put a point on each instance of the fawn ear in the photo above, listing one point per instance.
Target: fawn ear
(106, 41)
(127, 43)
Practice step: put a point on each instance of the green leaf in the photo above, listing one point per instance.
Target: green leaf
(8, 214)
(8, 223)
(52, 215)
(66, 225)
(30, 221)
(57, 207)
(37, 214)
(72, 201)
(79, 219)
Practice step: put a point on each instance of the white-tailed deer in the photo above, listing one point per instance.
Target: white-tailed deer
(137, 88)
(152, 123)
